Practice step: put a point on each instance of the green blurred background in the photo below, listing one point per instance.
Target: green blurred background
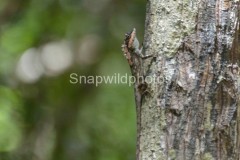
(42, 115)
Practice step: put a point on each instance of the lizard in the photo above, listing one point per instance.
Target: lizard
(133, 53)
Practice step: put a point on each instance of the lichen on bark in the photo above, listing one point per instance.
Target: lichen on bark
(171, 21)
(192, 111)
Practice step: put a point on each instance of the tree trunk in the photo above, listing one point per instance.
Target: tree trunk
(191, 110)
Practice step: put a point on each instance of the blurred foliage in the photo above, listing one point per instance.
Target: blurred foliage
(9, 119)
(42, 115)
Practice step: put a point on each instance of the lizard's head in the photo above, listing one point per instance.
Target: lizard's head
(130, 39)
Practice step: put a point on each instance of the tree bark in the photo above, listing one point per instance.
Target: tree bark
(191, 110)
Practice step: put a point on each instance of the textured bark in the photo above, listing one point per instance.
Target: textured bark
(192, 109)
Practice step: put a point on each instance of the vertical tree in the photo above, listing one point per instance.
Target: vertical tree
(191, 109)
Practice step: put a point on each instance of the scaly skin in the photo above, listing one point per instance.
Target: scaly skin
(135, 59)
